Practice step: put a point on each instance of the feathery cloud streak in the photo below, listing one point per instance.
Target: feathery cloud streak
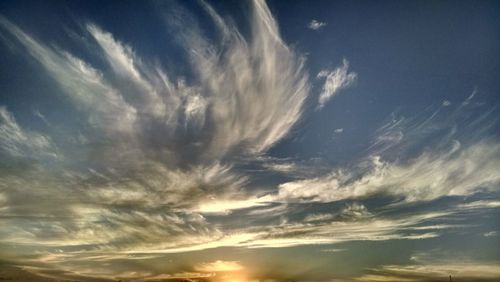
(335, 80)
(155, 147)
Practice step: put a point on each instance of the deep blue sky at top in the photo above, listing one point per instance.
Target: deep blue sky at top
(408, 55)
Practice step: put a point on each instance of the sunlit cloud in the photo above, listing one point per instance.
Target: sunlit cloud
(152, 155)
(433, 269)
(426, 177)
(335, 80)
(159, 167)
(482, 204)
(282, 167)
(316, 231)
(450, 168)
(219, 266)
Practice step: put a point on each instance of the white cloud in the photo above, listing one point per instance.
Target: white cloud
(316, 25)
(311, 233)
(219, 266)
(427, 177)
(160, 175)
(482, 204)
(351, 211)
(195, 110)
(256, 88)
(222, 206)
(319, 217)
(355, 210)
(128, 66)
(335, 80)
(162, 147)
(254, 91)
(430, 269)
(20, 143)
(471, 96)
(149, 158)
(285, 167)
(491, 234)
(83, 84)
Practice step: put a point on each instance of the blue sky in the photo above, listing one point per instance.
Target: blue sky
(250, 141)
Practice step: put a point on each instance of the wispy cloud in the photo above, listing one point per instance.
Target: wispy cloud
(281, 166)
(446, 103)
(219, 266)
(426, 268)
(335, 80)
(491, 234)
(316, 25)
(316, 232)
(16, 142)
(160, 164)
(427, 177)
(462, 161)
(254, 92)
(157, 147)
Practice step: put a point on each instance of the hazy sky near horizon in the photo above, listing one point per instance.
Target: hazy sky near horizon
(250, 140)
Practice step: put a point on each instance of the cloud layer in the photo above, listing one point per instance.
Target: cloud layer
(155, 147)
(165, 163)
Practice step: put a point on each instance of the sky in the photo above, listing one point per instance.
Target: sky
(250, 140)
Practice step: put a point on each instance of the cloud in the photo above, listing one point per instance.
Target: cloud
(150, 208)
(336, 80)
(491, 234)
(244, 101)
(285, 167)
(154, 151)
(351, 211)
(158, 163)
(219, 266)
(221, 206)
(319, 232)
(16, 142)
(259, 86)
(185, 276)
(425, 178)
(430, 269)
(355, 210)
(83, 84)
(481, 204)
(316, 25)
(446, 103)
(129, 67)
(290, 167)
(471, 96)
(319, 217)
(461, 161)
